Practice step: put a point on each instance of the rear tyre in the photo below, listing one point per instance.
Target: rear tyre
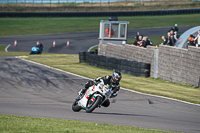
(92, 104)
(75, 106)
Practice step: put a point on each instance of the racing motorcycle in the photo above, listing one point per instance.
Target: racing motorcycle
(93, 98)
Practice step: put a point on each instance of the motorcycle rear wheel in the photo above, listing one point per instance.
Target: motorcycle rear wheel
(75, 106)
(91, 105)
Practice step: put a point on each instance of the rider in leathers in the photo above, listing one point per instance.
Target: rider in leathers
(110, 81)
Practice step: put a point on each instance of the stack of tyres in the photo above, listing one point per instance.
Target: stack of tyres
(123, 66)
(88, 59)
(82, 56)
(102, 61)
(134, 68)
(140, 69)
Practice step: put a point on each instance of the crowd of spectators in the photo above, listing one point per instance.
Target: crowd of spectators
(172, 36)
(142, 41)
(170, 39)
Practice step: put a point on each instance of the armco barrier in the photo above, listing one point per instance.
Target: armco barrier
(138, 69)
(99, 14)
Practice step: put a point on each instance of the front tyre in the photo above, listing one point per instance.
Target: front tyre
(93, 103)
(75, 106)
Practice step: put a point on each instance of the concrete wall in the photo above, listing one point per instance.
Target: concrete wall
(179, 65)
(174, 64)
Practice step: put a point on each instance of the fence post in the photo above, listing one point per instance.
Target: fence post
(155, 72)
(199, 82)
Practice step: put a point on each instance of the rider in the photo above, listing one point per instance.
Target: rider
(110, 81)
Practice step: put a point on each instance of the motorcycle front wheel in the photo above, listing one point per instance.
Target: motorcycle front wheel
(92, 103)
(75, 106)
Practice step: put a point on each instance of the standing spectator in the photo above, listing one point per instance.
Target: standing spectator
(136, 38)
(164, 40)
(140, 41)
(175, 28)
(171, 32)
(169, 40)
(197, 39)
(191, 40)
(146, 42)
(176, 36)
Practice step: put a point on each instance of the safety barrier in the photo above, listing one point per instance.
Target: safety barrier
(99, 14)
(134, 68)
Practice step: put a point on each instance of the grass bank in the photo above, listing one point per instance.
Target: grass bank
(10, 124)
(47, 25)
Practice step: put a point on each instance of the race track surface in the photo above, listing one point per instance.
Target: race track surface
(80, 41)
(28, 89)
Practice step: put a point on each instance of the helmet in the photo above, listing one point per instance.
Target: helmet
(116, 76)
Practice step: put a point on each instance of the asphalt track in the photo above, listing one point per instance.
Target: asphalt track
(29, 89)
(80, 41)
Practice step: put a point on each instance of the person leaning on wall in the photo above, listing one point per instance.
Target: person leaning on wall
(197, 39)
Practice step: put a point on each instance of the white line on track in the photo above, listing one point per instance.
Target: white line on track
(92, 47)
(6, 49)
(120, 88)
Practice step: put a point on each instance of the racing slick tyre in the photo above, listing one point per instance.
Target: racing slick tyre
(92, 103)
(75, 106)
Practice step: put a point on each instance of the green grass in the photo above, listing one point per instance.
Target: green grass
(21, 124)
(39, 25)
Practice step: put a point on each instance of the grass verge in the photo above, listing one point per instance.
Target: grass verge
(46, 25)
(23, 124)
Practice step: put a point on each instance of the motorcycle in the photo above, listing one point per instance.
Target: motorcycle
(93, 98)
(37, 49)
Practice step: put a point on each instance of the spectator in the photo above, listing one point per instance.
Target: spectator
(164, 40)
(140, 41)
(169, 40)
(146, 42)
(191, 40)
(175, 28)
(136, 39)
(149, 42)
(197, 39)
(176, 36)
(171, 32)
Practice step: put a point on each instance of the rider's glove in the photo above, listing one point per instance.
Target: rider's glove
(80, 92)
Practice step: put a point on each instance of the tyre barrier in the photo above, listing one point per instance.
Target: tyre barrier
(82, 57)
(134, 68)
